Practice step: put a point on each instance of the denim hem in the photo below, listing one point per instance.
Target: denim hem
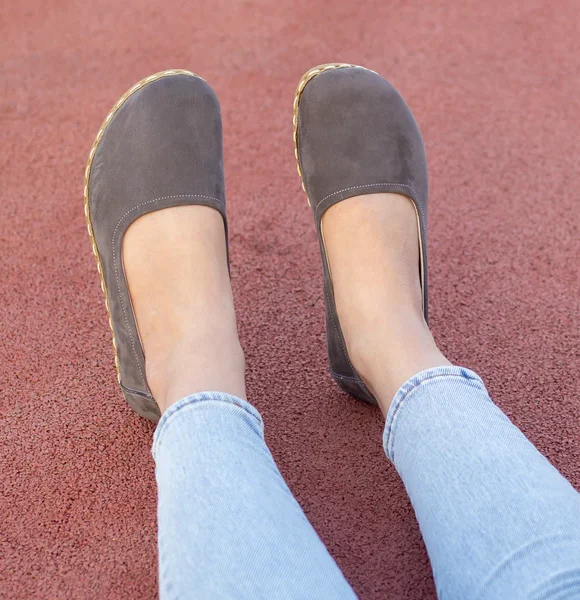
(411, 385)
(170, 414)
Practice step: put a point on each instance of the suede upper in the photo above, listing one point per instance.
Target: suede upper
(356, 135)
(161, 148)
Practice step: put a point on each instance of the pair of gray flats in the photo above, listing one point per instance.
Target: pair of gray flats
(161, 146)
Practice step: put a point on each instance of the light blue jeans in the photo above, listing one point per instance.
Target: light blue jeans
(498, 520)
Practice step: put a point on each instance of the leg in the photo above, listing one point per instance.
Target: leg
(497, 519)
(228, 525)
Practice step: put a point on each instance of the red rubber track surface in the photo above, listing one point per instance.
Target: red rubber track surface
(495, 87)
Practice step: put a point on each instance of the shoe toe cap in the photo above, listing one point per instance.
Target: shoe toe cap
(356, 133)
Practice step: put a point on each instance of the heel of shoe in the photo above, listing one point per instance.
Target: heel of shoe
(143, 405)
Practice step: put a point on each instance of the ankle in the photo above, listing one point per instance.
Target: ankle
(386, 357)
(197, 362)
(372, 246)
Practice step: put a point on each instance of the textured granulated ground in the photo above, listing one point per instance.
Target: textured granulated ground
(495, 88)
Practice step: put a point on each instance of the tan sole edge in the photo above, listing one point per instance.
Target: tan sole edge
(92, 153)
(306, 78)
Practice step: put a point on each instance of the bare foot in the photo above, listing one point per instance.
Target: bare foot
(372, 245)
(176, 268)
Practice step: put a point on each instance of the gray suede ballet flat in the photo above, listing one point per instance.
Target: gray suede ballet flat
(355, 135)
(160, 146)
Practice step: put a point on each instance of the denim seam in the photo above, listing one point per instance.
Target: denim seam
(390, 432)
(190, 401)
